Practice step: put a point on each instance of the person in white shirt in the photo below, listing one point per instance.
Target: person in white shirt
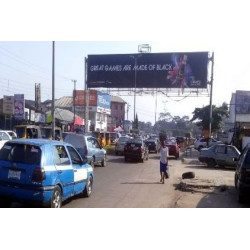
(163, 161)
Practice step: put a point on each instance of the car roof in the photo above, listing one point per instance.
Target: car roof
(38, 142)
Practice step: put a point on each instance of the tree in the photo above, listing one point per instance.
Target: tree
(203, 114)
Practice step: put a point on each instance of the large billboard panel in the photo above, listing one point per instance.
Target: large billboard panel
(19, 105)
(242, 102)
(148, 70)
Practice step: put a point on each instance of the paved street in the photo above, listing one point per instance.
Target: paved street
(136, 185)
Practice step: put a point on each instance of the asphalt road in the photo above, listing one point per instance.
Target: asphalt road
(137, 185)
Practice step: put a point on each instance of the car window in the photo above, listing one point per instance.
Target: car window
(95, 143)
(231, 151)
(60, 155)
(220, 150)
(22, 153)
(4, 136)
(247, 159)
(74, 156)
(90, 144)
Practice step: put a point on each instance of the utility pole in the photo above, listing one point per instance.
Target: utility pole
(53, 91)
(211, 96)
(86, 118)
(128, 106)
(74, 102)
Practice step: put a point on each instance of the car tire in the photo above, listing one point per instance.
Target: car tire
(211, 163)
(200, 147)
(116, 153)
(104, 161)
(89, 187)
(147, 157)
(125, 159)
(56, 199)
(188, 175)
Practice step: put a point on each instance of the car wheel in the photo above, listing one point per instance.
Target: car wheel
(147, 157)
(125, 159)
(211, 163)
(116, 153)
(89, 187)
(177, 156)
(200, 147)
(104, 161)
(56, 199)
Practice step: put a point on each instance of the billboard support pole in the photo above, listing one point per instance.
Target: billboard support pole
(211, 95)
(86, 122)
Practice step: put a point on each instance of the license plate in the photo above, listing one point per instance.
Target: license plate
(14, 174)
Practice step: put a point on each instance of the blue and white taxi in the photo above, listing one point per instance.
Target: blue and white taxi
(43, 171)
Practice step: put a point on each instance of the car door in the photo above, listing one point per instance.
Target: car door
(220, 154)
(64, 169)
(80, 170)
(99, 154)
(232, 154)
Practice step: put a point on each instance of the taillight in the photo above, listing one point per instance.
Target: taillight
(38, 174)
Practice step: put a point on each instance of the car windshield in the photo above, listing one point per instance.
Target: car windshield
(12, 134)
(23, 153)
(138, 141)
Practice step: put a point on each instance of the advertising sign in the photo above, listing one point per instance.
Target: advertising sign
(242, 102)
(104, 100)
(80, 97)
(8, 105)
(148, 70)
(19, 105)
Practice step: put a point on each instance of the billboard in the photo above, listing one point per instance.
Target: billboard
(103, 100)
(80, 97)
(8, 105)
(242, 102)
(148, 70)
(19, 105)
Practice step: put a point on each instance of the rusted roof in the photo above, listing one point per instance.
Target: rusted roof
(64, 102)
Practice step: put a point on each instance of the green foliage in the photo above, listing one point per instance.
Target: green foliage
(203, 114)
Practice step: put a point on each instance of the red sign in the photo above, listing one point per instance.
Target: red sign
(80, 97)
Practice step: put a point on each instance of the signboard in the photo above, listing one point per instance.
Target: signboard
(80, 97)
(242, 102)
(148, 70)
(19, 105)
(103, 100)
(8, 105)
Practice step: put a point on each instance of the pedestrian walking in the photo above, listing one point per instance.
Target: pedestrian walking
(163, 161)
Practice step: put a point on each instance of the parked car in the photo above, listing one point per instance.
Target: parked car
(42, 171)
(220, 154)
(136, 149)
(119, 146)
(242, 175)
(9, 133)
(89, 148)
(173, 148)
(3, 138)
(153, 144)
(202, 143)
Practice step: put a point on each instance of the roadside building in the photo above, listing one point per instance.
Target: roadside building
(117, 113)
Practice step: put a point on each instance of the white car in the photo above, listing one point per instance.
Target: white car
(9, 133)
(3, 138)
(202, 143)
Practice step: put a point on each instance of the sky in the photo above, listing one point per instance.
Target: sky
(26, 59)
(100, 27)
